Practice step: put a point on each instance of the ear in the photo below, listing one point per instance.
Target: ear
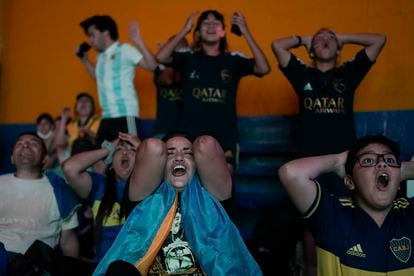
(311, 54)
(11, 160)
(349, 183)
(45, 159)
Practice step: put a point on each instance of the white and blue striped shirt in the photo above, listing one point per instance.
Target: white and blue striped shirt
(115, 74)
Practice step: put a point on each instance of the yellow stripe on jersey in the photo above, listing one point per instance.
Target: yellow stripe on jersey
(113, 218)
(329, 265)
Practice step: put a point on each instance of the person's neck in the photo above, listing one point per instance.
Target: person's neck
(108, 43)
(325, 65)
(378, 216)
(83, 120)
(211, 49)
(33, 173)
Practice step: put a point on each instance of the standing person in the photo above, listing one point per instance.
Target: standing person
(36, 208)
(370, 233)
(210, 77)
(114, 73)
(104, 193)
(169, 96)
(326, 90)
(179, 226)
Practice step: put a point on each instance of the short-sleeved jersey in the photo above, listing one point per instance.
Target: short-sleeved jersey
(169, 103)
(115, 74)
(326, 103)
(111, 224)
(209, 93)
(29, 211)
(349, 242)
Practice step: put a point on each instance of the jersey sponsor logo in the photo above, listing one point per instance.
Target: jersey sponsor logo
(325, 105)
(339, 85)
(401, 248)
(210, 94)
(226, 75)
(356, 250)
(171, 94)
(308, 87)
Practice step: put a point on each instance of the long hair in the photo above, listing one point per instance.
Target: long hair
(107, 202)
(197, 44)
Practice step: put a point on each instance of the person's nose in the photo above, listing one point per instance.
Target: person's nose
(381, 161)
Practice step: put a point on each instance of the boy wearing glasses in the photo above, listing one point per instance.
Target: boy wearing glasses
(372, 232)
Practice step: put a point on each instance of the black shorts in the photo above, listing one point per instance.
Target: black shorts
(109, 128)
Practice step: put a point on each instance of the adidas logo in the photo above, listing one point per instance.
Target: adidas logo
(307, 87)
(356, 250)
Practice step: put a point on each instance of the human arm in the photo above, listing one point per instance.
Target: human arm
(297, 176)
(261, 66)
(281, 47)
(148, 61)
(407, 170)
(373, 43)
(212, 167)
(69, 243)
(148, 171)
(87, 63)
(75, 168)
(164, 54)
(60, 138)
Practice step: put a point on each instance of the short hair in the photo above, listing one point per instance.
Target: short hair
(42, 143)
(91, 99)
(364, 142)
(173, 134)
(45, 116)
(102, 23)
(203, 16)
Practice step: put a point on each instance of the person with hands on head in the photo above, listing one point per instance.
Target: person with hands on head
(115, 73)
(370, 233)
(179, 225)
(210, 76)
(104, 193)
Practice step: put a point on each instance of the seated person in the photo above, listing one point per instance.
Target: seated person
(370, 233)
(104, 193)
(180, 227)
(36, 206)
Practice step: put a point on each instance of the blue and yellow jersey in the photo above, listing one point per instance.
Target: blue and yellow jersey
(112, 224)
(349, 242)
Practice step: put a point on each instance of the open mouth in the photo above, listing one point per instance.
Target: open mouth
(178, 170)
(383, 180)
(125, 163)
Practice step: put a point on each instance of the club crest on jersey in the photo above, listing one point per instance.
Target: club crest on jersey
(339, 85)
(401, 248)
(225, 75)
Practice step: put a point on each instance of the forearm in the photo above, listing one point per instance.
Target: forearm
(373, 43)
(89, 66)
(407, 170)
(148, 61)
(281, 47)
(69, 244)
(165, 53)
(261, 64)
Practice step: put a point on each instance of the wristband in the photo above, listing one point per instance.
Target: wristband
(299, 38)
(111, 149)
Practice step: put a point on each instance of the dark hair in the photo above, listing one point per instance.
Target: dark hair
(173, 134)
(365, 141)
(45, 116)
(107, 203)
(101, 23)
(42, 143)
(91, 99)
(197, 39)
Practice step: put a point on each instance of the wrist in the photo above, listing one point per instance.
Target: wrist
(111, 149)
(299, 43)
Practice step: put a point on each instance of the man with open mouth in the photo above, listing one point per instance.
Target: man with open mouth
(179, 226)
(371, 232)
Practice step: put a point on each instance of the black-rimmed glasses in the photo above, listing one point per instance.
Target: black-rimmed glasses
(371, 159)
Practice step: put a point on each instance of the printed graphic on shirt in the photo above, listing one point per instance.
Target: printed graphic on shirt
(356, 250)
(401, 248)
(176, 256)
